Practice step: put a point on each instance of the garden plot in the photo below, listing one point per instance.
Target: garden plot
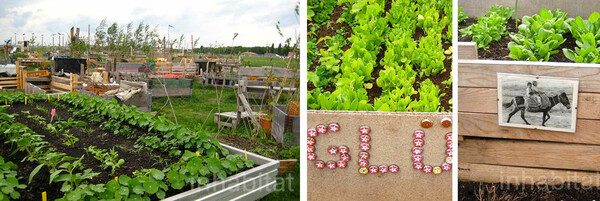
(379, 55)
(96, 148)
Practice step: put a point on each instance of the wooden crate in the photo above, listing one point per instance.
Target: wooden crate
(493, 153)
(164, 67)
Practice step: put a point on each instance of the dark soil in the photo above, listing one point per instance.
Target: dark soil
(498, 50)
(468, 191)
(250, 144)
(134, 159)
(376, 91)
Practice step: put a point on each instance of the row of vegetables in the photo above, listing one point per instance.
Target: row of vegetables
(210, 160)
(404, 59)
(539, 36)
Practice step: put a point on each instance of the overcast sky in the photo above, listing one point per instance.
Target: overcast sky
(212, 21)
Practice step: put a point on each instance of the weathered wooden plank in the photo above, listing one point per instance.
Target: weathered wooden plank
(467, 50)
(8, 78)
(530, 154)
(173, 92)
(38, 79)
(486, 125)
(8, 82)
(266, 72)
(482, 73)
(483, 100)
(61, 85)
(521, 175)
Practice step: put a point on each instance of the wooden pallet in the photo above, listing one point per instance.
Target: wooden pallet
(231, 119)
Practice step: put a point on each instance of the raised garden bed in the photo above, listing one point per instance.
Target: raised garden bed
(159, 158)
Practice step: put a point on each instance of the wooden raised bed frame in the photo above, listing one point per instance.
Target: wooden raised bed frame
(492, 153)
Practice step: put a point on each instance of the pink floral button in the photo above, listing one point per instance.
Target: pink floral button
(449, 136)
(365, 147)
(343, 149)
(310, 149)
(417, 158)
(418, 166)
(449, 152)
(418, 142)
(365, 138)
(446, 167)
(341, 164)
(363, 155)
(310, 141)
(345, 157)
(449, 144)
(417, 150)
(363, 163)
(312, 132)
(427, 169)
(334, 127)
(319, 164)
(373, 169)
(365, 130)
(331, 165)
(383, 168)
(419, 134)
(332, 150)
(321, 129)
(311, 156)
(393, 168)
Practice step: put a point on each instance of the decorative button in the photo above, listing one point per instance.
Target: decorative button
(365, 147)
(363, 170)
(449, 159)
(319, 164)
(321, 129)
(311, 156)
(449, 152)
(446, 167)
(343, 149)
(419, 134)
(449, 144)
(365, 138)
(418, 142)
(417, 158)
(427, 169)
(446, 122)
(417, 150)
(426, 123)
(341, 164)
(393, 168)
(363, 155)
(418, 166)
(365, 130)
(334, 127)
(332, 150)
(373, 169)
(345, 157)
(363, 163)
(310, 149)
(310, 141)
(437, 170)
(383, 169)
(449, 136)
(331, 165)
(312, 132)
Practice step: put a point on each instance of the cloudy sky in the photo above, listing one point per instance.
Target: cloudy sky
(214, 22)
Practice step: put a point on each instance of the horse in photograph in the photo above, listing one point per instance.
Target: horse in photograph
(519, 104)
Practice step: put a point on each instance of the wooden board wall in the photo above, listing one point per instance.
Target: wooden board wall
(391, 143)
(490, 152)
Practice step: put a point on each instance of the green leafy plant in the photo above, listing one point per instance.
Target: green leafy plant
(9, 182)
(539, 36)
(429, 98)
(491, 27)
(109, 159)
(70, 139)
(587, 50)
(462, 16)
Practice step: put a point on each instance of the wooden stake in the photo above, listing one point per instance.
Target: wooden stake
(25, 100)
(44, 196)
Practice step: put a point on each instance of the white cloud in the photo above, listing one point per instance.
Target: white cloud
(212, 21)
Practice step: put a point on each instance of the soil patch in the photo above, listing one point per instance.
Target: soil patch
(468, 191)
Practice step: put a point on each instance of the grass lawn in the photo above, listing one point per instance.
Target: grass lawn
(269, 61)
(197, 112)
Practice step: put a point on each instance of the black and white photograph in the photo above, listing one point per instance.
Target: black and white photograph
(536, 102)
